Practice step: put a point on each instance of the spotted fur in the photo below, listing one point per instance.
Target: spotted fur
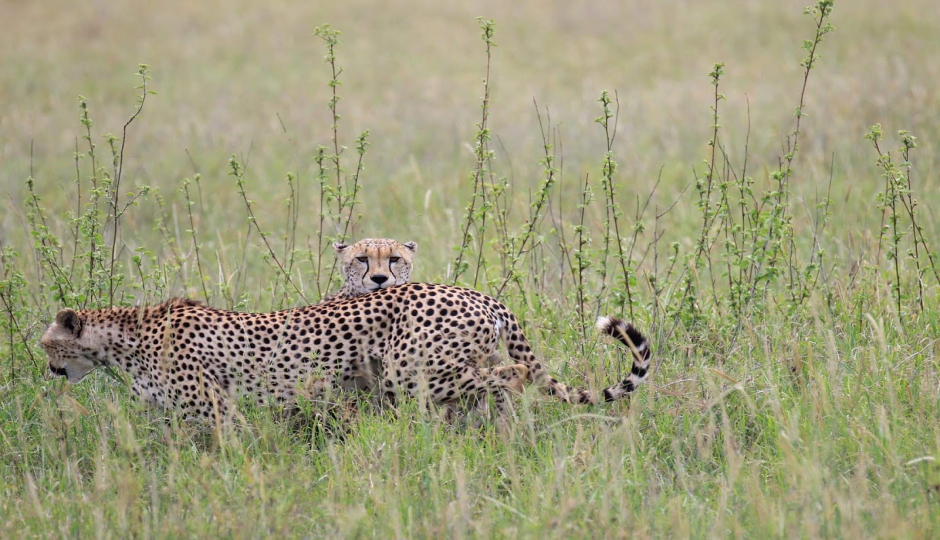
(378, 263)
(415, 339)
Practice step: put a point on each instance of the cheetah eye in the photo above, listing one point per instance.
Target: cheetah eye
(362, 259)
(394, 259)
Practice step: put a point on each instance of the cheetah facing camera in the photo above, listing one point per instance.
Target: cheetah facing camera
(372, 264)
(415, 339)
(367, 265)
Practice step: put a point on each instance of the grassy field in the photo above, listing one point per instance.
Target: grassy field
(786, 278)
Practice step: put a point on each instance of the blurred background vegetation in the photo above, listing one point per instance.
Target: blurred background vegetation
(247, 78)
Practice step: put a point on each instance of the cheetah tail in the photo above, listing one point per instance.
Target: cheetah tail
(638, 345)
(624, 333)
(539, 376)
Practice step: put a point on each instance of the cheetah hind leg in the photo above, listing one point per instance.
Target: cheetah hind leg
(511, 377)
(496, 385)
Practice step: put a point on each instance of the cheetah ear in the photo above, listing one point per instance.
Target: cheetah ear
(413, 246)
(70, 321)
(339, 247)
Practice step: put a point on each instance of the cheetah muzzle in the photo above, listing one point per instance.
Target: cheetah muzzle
(372, 264)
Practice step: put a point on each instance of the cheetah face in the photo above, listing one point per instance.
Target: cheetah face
(69, 354)
(373, 264)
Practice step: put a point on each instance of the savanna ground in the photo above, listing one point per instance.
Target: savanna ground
(786, 279)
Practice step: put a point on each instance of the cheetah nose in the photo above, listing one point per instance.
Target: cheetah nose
(379, 278)
(61, 372)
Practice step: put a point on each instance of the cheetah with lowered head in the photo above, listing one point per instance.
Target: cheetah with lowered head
(424, 340)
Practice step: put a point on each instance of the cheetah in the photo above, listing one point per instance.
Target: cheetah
(372, 264)
(422, 340)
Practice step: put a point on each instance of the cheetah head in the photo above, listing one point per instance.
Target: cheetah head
(375, 263)
(72, 352)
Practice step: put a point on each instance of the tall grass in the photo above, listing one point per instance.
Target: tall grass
(790, 305)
